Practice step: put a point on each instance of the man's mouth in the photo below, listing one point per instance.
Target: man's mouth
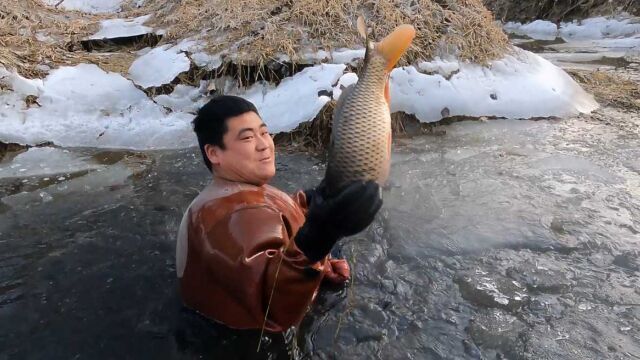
(268, 158)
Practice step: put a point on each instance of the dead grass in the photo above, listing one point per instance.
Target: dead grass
(25, 24)
(257, 30)
(609, 89)
(254, 31)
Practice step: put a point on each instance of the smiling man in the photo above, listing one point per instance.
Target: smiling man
(244, 246)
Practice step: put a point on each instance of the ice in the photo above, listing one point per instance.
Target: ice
(295, 99)
(19, 84)
(86, 106)
(629, 45)
(339, 56)
(119, 28)
(600, 32)
(159, 66)
(539, 29)
(599, 28)
(344, 82)
(346, 56)
(451, 88)
(44, 161)
(88, 6)
(445, 68)
(496, 90)
(183, 98)
(210, 62)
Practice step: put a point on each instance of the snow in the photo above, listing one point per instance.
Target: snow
(339, 56)
(347, 56)
(588, 29)
(88, 6)
(539, 29)
(446, 68)
(345, 81)
(44, 161)
(86, 106)
(204, 60)
(184, 98)
(599, 28)
(19, 84)
(159, 66)
(295, 99)
(119, 28)
(496, 91)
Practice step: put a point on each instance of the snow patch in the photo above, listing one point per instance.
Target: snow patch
(159, 66)
(295, 99)
(446, 68)
(539, 29)
(210, 62)
(345, 81)
(119, 28)
(340, 56)
(20, 85)
(599, 28)
(522, 85)
(588, 29)
(88, 6)
(86, 106)
(184, 98)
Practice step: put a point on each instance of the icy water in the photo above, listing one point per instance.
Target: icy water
(499, 239)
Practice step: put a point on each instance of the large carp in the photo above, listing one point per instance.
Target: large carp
(360, 147)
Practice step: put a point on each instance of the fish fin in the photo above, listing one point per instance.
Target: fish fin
(386, 93)
(362, 27)
(363, 31)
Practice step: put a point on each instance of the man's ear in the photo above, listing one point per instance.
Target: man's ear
(213, 154)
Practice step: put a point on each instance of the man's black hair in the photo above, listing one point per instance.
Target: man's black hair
(210, 124)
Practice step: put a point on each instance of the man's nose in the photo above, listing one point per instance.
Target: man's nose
(261, 144)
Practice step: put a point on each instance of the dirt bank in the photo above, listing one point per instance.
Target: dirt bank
(554, 10)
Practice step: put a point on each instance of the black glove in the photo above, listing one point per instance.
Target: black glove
(329, 219)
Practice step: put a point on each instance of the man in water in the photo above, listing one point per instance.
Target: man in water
(249, 255)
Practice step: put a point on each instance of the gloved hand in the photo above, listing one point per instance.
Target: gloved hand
(337, 272)
(329, 219)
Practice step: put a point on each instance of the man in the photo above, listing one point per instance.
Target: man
(247, 254)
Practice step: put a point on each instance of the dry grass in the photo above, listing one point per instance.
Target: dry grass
(610, 89)
(23, 22)
(256, 30)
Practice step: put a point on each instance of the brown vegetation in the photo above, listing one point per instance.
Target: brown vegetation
(609, 89)
(255, 32)
(554, 10)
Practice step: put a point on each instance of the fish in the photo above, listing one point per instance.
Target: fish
(360, 145)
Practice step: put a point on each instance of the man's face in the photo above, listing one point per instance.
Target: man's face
(249, 151)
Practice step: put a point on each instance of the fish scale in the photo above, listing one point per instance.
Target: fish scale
(360, 148)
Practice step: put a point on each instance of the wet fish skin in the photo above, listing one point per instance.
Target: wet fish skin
(360, 147)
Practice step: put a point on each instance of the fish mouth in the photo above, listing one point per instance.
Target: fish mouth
(395, 44)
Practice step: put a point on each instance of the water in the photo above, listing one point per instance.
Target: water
(498, 239)
(517, 238)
